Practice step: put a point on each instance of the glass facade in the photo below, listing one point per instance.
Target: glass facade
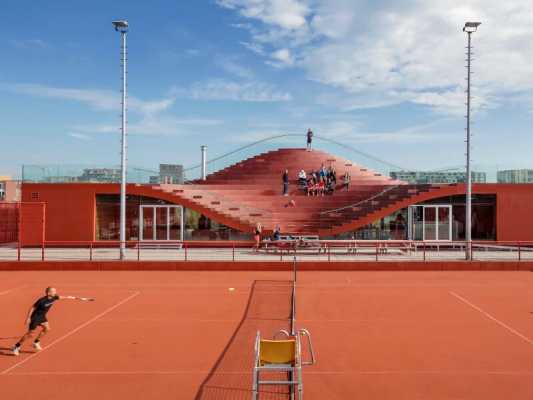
(200, 227)
(433, 221)
(159, 218)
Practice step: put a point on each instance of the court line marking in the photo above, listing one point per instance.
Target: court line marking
(72, 332)
(492, 318)
(348, 372)
(12, 289)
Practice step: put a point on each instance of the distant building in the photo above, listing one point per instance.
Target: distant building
(170, 174)
(9, 189)
(515, 176)
(437, 177)
(100, 175)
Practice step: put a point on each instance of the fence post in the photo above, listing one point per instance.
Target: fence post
(424, 244)
(90, 251)
(329, 252)
(233, 252)
(43, 231)
(19, 215)
(138, 250)
(519, 252)
(377, 251)
(185, 248)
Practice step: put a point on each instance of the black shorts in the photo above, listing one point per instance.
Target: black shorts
(36, 322)
(309, 141)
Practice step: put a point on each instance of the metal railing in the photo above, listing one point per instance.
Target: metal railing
(270, 251)
(274, 142)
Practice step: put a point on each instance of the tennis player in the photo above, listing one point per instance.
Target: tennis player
(37, 318)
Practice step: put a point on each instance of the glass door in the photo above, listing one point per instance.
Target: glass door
(444, 228)
(146, 223)
(415, 223)
(430, 222)
(161, 222)
(175, 216)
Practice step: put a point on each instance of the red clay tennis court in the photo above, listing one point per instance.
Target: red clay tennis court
(187, 335)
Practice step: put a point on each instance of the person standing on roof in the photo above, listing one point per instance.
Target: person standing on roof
(309, 139)
(286, 183)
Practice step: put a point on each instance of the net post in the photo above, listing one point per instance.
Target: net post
(294, 270)
(293, 300)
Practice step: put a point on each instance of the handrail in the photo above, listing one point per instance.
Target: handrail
(420, 250)
(228, 243)
(271, 138)
(362, 201)
(305, 332)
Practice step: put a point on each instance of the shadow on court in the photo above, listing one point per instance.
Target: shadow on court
(7, 352)
(268, 310)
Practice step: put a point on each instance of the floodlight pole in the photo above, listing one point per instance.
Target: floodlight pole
(122, 27)
(469, 29)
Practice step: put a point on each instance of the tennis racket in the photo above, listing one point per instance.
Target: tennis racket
(86, 298)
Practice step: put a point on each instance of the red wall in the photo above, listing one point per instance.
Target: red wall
(264, 266)
(514, 213)
(70, 208)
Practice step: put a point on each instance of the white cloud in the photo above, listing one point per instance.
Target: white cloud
(254, 47)
(99, 99)
(391, 52)
(156, 125)
(282, 58)
(233, 67)
(146, 117)
(219, 89)
(80, 136)
(28, 43)
(287, 14)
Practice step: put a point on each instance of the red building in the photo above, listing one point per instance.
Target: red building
(230, 202)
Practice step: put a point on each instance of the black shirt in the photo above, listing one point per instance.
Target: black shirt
(309, 136)
(285, 177)
(42, 306)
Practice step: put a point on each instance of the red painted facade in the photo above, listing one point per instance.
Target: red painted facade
(250, 192)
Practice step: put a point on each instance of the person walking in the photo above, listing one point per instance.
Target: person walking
(257, 236)
(286, 183)
(309, 139)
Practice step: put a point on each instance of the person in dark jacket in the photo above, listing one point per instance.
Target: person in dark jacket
(309, 139)
(286, 183)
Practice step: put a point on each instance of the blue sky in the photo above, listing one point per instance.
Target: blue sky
(386, 77)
